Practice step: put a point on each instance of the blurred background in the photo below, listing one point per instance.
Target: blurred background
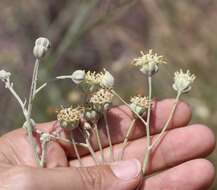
(94, 34)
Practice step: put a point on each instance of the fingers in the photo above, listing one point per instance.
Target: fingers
(193, 175)
(119, 119)
(179, 145)
(120, 176)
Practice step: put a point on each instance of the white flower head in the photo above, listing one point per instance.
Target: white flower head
(139, 104)
(4, 75)
(41, 47)
(149, 63)
(107, 79)
(101, 100)
(78, 76)
(69, 118)
(182, 81)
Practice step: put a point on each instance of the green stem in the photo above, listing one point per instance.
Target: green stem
(109, 136)
(127, 138)
(160, 136)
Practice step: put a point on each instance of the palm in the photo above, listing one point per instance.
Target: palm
(181, 144)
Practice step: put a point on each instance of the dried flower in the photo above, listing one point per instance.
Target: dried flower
(148, 63)
(182, 81)
(139, 104)
(78, 76)
(101, 100)
(41, 47)
(93, 78)
(107, 80)
(4, 75)
(69, 118)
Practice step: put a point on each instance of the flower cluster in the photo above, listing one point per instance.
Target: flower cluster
(101, 99)
(139, 104)
(148, 63)
(69, 118)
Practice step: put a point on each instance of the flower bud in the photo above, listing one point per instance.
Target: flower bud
(138, 109)
(107, 80)
(182, 81)
(91, 115)
(41, 47)
(78, 76)
(4, 75)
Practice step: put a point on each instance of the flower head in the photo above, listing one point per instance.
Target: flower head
(103, 79)
(182, 81)
(101, 100)
(4, 75)
(139, 104)
(78, 76)
(41, 47)
(69, 118)
(149, 63)
(93, 78)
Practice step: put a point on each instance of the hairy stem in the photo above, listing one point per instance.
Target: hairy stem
(109, 136)
(148, 137)
(29, 111)
(160, 136)
(44, 152)
(99, 142)
(127, 138)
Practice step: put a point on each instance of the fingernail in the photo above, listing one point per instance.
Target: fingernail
(126, 170)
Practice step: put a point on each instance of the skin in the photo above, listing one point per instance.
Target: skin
(180, 156)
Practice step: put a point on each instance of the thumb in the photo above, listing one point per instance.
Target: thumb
(123, 175)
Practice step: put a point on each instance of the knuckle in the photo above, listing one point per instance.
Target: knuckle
(91, 178)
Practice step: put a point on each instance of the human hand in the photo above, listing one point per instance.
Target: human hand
(181, 144)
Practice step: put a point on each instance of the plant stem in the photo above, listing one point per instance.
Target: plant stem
(109, 136)
(76, 150)
(22, 104)
(124, 102)
(89, 146)
(99, 142)
(127, 138)
(29, 112)
(44, 152)
(148, 138)
(160, 136)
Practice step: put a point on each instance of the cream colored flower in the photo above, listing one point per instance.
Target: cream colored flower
(182, 81)
(69, 118)
(93, 78)
(41, 47)
(101, 100)
(149, 63)
(139, 104)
